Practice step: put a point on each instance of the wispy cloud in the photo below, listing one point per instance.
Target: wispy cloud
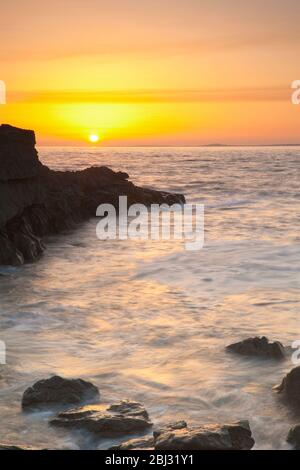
(279, 93)
(100, 48)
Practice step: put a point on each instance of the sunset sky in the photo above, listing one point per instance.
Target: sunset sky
(150, 72)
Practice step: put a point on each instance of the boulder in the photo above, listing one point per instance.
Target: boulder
(147, 442)
(36, 201)
(139, 443)
(117, 419)
(294, 437)
(18, 161)
(58, 390)
(289, 388)
(13, 447)
(234, 436)
(173, 426)
(258, 347)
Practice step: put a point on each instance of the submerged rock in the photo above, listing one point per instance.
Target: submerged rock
(290, 387)
(36, 201)
(234, 436)
(294, 437)
(258, 347)
(122, 418)
(58, 390)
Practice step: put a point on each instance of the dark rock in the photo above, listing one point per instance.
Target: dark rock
(147, 442)
(132, 408)
(36, 201)
(169, 427)
(13, 448)
(58, 390)
(294, 437)
(139, 443)
(115, 420)
(18, 161)
(235, 436)
(290, 387)
(258, 347)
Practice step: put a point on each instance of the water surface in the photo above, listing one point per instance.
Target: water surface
(149, 320)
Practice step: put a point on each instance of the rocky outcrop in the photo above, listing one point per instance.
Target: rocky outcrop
(294, 437)
(289, 389)
(147, 442)
(234, 436)
(14, 448)
(36, 201)
(258, 347)
(173, 426)
(58, 390)
(122, 418)
(178, 436)
(139, 443)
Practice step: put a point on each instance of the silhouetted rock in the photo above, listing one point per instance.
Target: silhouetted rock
(259, 347)
(294, 437)
(18, 160)
(36, 201)
(235, 436)
(290, 387)
(58, 390)
(115, 420)
(19, 448)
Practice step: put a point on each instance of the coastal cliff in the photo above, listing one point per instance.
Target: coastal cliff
(36, 201)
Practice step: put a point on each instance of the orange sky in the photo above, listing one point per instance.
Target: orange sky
(149, 72)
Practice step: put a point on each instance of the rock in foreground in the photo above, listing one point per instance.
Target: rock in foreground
(147, 442)
(235, 436)
(294, 437)
(139, 443)
(36, 201)
(15, 448)
(258, 347)
(58, 390)
(122, 418)
(289, 388)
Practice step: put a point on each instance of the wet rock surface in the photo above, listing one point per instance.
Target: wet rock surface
(58, 390)
(139, 443)
(147, 442)
(258, 347)
(122, 418)
(289, 389)
(36, 201)
(234, 436)
(178, 436)
(293, 437)
(173, 426)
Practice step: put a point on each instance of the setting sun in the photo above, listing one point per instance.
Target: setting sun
(94, 138)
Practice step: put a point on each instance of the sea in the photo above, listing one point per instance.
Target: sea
(148, 320)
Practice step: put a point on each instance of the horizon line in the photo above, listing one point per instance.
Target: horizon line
(172, 146)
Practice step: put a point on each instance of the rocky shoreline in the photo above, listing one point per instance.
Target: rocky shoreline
(37, 201)
(128, 421)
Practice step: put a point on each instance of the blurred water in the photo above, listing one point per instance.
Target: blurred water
(150, 321)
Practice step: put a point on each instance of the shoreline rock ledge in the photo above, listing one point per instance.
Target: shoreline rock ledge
(36, 201)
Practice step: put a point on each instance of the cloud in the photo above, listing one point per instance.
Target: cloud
(197, 45)
(279, 93)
